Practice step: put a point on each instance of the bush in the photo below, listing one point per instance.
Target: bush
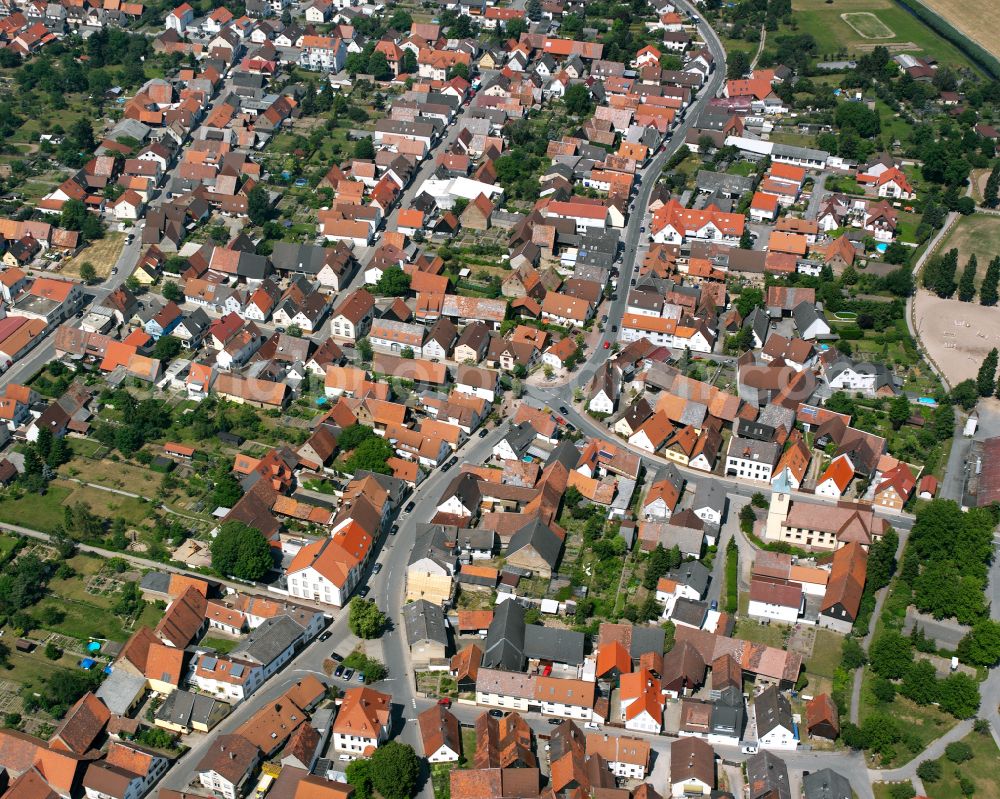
(958, 752)
(902, 790)
(929, 771)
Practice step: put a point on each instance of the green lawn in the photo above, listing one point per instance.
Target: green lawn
(743, 168)
(748, 629)
(981, 770)
(823, 20)
(881, 790)
(221, 645)
(7, 544)
(826, 654)
(36, 511)
(441, 780)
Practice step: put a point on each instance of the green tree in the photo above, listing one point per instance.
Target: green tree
(173, 292)
(738, 64)
(167, 348)
(88, 274)
(991, 196)
(359, 775)
(967, 285)
(958, 752)
(258, 205)
(929, 771)
(241, 551)
(577, 99)
(943, 421)
(395, 769)
(981, 645)
(366, 620)
(749, 299)
(966, 394)
(364, 149)
(958, 694)
(533, 8)
(378, 66)
(986, 377)
(747, 518)
(408, 63)
(988, 291)
(883, 690)
(899, 411)
(227, 491)
(890, 655)
(73, 215)
(372, 456)
(459, 70)
(657, 565)
(393, 282)
(920, 683)
(52, 652)
(364, 348)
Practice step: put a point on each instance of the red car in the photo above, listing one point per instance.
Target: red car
(445, 702)
(607, 345)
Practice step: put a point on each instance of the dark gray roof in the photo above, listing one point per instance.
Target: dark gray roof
(721, 181)
(155, 581)
(504, 644)
(465, 486)
(758, 321)
(184, 709)
(424, 621)
(804, 314)
(772, 710)
(729, 714)
(433, 542)
(519, 437)
(826, 784)
(693, 574)
(268, 641)
(690, 611)
(767, 772)
(566, 453)
(710, 494)
(540, 537)
(549, 643)
(646, 639)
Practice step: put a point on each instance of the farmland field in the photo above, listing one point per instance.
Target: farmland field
(977, 19)
(979, 235)
(856, 26)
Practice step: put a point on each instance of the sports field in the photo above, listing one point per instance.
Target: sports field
(868, 26)
(977, 19)
(856, 26)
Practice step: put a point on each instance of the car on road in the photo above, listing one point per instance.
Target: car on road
(409, 507)
(325, 636)
(444, 702)
(339, 671)
(336, 656)
(563, 409)
(497, 714)
(376, 568)
(614, 328)
(361, 676)
(571, 427)
(114, 270)
(614, 297)
(348, 673)
(642, 229)
(394, 529)
(714, 605)
(592, 725)
(555, 721)
(363, 591)
(484, 432)
(452, 461)
(607, 345)
(604, 319)
(632, 282)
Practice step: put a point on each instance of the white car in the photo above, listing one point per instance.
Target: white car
(592, 725)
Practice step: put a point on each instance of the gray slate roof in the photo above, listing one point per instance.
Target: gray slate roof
(424, 621)
(767, 772)
(549, 643)
(504, 644)
(267, 642)
(826, 784)
(540, 537)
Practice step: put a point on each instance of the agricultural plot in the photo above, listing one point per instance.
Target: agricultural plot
(977, 19)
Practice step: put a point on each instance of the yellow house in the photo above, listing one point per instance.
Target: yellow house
(489, 60)
(428, 580)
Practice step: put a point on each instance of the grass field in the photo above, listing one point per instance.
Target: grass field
(978, 234)
(828, 23)
(103, 254)
(977, 19)
(867, 25)
(38, 511)
(826, 653)
(123, 476)
(981, 770)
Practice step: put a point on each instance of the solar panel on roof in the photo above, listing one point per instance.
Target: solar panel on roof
(209, 663)
(236, 670)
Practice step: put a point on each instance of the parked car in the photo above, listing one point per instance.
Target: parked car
(607, 345)
(348, 673)
(497, 714)
(376, 568)
(555, 721)
(363, 591)
(361, 676)
(339, 671)
(394, 529)
(444, 701)
(592, 725)
(484, 432)
(409, 507)
(325, 636)
(614, 328)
